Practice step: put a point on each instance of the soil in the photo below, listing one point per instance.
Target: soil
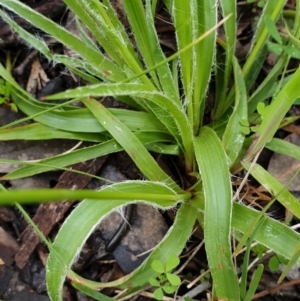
(22, 277)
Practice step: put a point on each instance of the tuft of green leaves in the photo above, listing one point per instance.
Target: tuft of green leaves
(165, 281)
(165, 119)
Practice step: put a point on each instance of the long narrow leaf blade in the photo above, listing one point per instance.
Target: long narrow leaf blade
(228, 7)
(275, 188)
(215, 176)
(274, 114)
(272, 234)
(205, 17)
(168, 112)
(37, 131)
(89, 213)
(131, 144)
(95, 58)
(181, 12)
(234, 137)
(90, 152)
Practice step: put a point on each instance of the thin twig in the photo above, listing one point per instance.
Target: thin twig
(273, 290)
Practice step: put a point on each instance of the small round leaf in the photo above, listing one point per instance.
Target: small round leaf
(157, 266)
(274, 264)
(172, 262)
(174, 279)
(260, 108)
(158, 294)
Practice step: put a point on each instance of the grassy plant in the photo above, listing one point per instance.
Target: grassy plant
(167, 119)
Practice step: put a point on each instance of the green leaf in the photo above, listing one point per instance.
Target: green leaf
(135, 149)
(172, 244)
(284, 147)
(294, 40)
(137, 18)
(267, 87)
(213, 167)
(254, 283)
(158, 294)
(233, 138)
(164, 108)
(37, 131)
(102, 22)
(142, 24)
(275, 113)
(273, 8)
(29, 38)
(283, 260)
(272, 234)
(276, 48)
(55, 162)
(167, 80)
(174, 279)
(290, 264)
(91, 293)
(71, 120)
(95, 58)
(272, 29)
(156, 192)
(203, 54)
(224, 67)
(274, 264)
(181, 12)
(14, 107)
(158, 266)
(59, 161)
(292, 51)
(172, 263)
(88, 214)
(260, 108)
(274, 187)
(196, 63)
(154, 281)
(259, 250)
(297, 101)
(248, 235)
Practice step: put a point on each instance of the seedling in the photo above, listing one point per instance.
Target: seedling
(205, 277)
(166, 282)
